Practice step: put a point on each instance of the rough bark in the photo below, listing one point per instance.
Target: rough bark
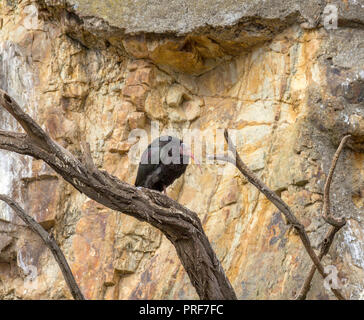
(179, 224)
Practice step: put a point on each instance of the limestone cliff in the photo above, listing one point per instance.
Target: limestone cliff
(96, 70)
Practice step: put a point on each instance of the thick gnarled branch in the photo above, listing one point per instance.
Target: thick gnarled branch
(50, 242)
(179, 224)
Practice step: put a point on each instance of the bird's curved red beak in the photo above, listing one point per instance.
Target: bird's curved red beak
(187, 152)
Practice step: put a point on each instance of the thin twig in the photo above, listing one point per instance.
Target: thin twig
(325, 246)
(336, 225)
(50, 242)
(282, 206)
(326, 207)
(222, 158)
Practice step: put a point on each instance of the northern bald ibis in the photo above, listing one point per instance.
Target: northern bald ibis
(165, 160)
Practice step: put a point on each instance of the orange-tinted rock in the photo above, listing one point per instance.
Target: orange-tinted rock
(137, 95)
(42, 200)
(290, 99)
(136, 120)
(140, 76)
(136, 47)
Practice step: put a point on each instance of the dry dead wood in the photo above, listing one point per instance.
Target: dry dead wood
(285, 209)
(336, 224)
(179, 224)
(51, 243)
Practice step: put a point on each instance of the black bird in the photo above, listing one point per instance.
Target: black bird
(165, 160)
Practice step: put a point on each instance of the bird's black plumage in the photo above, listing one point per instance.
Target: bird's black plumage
(165, 160)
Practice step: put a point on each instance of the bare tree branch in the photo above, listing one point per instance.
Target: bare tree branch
(281, 205)
(326, 208)
(179, 224)
(336, 225)
(222, 158)
(50, 242)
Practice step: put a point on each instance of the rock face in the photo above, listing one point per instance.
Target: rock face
(271, 70)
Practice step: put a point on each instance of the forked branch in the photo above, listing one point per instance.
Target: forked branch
(179, 224)
(279, 203)
(336, 224)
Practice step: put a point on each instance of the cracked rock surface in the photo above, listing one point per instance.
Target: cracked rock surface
(96, 70)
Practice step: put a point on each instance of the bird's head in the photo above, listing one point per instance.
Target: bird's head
(171, 150)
